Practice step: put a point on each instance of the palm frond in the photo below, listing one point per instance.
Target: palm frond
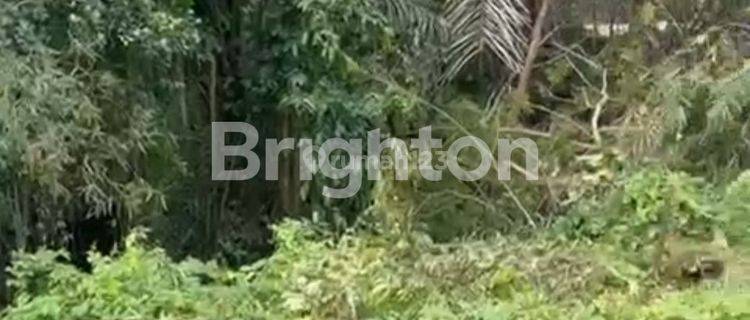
(419, 17)
(493, 26)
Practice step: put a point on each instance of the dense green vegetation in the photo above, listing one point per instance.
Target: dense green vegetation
(640, 110)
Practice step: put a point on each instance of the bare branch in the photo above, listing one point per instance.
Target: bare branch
(598, 110)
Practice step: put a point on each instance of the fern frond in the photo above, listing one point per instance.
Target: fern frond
(494, 26)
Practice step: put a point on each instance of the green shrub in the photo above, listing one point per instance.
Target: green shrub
(139, 284)
(734, 209)
(644, 206)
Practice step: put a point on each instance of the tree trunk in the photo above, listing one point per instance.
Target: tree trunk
(289, 182)
(4, 292)
(20, 218)
(537, 39)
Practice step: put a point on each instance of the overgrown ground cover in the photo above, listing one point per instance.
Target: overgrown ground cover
(594, 264)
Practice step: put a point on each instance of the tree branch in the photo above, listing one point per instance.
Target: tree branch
(598, 110)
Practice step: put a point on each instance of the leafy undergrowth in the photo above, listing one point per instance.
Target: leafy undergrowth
(366, 278)
(594, 264)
